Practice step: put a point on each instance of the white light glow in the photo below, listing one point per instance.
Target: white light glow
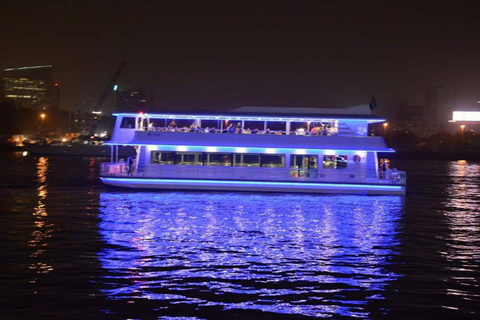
(182, 148)
(466, 116)
(270, 150)
(300, 151)
(212, 149)
(241, 150)
(329, 152)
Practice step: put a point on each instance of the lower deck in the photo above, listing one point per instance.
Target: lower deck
(255, 179)
(255, 186)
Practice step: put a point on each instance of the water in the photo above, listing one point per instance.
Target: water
(74, 249)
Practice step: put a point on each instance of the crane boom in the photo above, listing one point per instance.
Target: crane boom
(109, 87)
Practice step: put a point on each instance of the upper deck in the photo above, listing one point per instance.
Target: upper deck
(311, 129)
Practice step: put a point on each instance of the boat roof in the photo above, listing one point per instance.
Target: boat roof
(361, 112)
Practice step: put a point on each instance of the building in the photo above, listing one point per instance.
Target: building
(439, 104)
(411, 119)
(130, 101)
(30, 87)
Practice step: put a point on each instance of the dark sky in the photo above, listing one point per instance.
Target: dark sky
(220, 55)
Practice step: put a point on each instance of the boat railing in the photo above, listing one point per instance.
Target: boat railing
(115, 169)
(253, 173)
(393, 175)
(329, 132)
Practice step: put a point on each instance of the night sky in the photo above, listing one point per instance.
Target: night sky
(221, 55)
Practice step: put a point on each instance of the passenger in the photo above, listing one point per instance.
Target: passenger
(301, 131)
(207, 130)
(231, 128)
(130, 165)
(383, 168)
(151, 127)
(255, 131)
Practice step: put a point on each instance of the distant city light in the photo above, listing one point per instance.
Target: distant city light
(26, 68)
(115, 87)
(96, 112)
(466, 116)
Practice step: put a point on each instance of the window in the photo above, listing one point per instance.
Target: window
(189, 158)
(128, 123)
(163, 157)
(246, 160)
(273, 160)
(303, 161)
(334, 162)
(219, 159)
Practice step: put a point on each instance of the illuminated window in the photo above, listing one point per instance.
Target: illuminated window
(334, 162)
(273, 160)
(219, 159)
(189, 158)
(163, 157)
(246, 160)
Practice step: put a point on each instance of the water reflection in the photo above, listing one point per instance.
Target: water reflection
(296, 254)
(42, 228)
(462, 210)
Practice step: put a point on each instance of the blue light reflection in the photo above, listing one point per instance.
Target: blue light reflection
(295, 254)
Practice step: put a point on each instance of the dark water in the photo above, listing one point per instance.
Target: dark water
(73, 249)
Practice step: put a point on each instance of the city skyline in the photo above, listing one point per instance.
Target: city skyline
(222, 56)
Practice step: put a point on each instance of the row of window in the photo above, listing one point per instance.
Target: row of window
(302, 162)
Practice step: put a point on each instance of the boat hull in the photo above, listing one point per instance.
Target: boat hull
(255, 186)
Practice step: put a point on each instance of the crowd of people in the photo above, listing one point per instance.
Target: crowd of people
(319, 129)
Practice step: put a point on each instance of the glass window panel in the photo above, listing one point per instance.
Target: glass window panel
(162, 157)
(189, 158)
(219, 159)
(334, 162)
(247, 160)
(128, 123)
(273, 160)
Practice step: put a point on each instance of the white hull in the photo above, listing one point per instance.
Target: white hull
(255, 186)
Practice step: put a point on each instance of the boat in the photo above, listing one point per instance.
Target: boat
(266, 149)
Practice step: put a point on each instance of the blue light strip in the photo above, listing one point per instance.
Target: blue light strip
(247, 183)
(246, 149)
(245, 117)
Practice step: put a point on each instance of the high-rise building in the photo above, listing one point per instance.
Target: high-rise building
(29, 87)
(130, 101)
(439, 105)
(410, 119)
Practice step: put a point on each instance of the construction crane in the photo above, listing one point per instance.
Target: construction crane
(104, 96)
(109, 88)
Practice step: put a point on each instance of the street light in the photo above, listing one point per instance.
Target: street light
(42, 116)
(385, 125)
(462, 127)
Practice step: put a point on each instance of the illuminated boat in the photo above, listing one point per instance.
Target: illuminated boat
(253, 149)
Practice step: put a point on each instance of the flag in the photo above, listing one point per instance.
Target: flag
(373, 104)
